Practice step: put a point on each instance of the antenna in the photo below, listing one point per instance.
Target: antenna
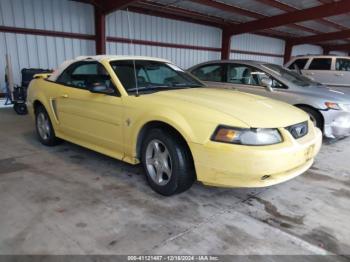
(133, 53)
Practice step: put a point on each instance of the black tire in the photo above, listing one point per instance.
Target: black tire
(180, 161)
(315, 116)
(20, 108)
(50, 138)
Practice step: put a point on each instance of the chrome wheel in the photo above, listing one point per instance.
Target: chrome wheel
(158, 162)
(43, 126)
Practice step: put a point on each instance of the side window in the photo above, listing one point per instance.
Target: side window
(214, 72)
(277, 84)
(243, 74)
(246, 75)
(84, 74)
(320, 64)
(342, 64)
(126, 75)
(298, 63)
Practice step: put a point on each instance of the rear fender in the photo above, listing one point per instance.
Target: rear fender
(45, 93)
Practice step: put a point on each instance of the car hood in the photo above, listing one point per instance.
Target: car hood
(328, 93)
(255, 111)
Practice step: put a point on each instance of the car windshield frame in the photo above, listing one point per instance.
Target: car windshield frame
(184, 80)
(290, 75)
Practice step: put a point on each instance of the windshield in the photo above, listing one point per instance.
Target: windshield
(152, 76)
(291, 76)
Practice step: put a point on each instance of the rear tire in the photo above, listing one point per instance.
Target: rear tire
(44, 128)
(20, 108)
(167, 162)
(315, 116)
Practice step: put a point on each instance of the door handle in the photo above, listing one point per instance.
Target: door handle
(339, 74)
(309, 73)
(64, 96)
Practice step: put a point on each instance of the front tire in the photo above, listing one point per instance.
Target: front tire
(315, 116)
(44, 129)
(167, 162)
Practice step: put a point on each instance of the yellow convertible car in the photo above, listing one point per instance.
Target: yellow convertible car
(141, 109)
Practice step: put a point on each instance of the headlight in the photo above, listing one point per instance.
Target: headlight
(253, 136)
(332, 105)
(337, 106)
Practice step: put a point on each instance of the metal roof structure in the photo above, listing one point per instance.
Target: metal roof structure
(321, 22)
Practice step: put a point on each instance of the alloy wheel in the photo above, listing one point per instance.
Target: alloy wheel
(158, 162)
(43, 125)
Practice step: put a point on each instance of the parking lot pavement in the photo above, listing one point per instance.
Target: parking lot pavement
(70, 200)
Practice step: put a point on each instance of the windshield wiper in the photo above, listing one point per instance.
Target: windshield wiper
(151, 87)
(164, 87)
(186, 85)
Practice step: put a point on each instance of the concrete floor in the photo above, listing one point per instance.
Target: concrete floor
(70, 200)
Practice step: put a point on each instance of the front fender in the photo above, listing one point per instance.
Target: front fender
(307, 99)
(314, 104)
(196, 132)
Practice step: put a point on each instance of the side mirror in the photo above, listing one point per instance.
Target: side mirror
(267, 83)
(101, 88)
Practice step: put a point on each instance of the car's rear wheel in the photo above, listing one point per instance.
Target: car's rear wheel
(20, 108)
(44, 129)
(315, 116)
(167, 162)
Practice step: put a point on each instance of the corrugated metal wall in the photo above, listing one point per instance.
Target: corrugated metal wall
(260, 44)
(74, 17)
(41, 51)
(156, 29)
(307, 50)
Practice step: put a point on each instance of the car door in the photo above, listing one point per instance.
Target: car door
(342, 71)
(91, 119)
(320, 70)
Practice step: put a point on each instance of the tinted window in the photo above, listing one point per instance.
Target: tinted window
(152, 75)
(85, 74)
(247, 75)
(298, 64)
(320, 64)
(242, 74)
(213, 73)
(342, 64)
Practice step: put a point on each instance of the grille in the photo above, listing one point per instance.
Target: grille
(299, 130)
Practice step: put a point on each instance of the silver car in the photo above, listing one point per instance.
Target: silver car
(326, 69)
(329, 109)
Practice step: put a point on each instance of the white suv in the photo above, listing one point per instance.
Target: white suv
(328, 70)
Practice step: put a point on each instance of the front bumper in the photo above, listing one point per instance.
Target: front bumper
(336, 123)
(228, 165)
